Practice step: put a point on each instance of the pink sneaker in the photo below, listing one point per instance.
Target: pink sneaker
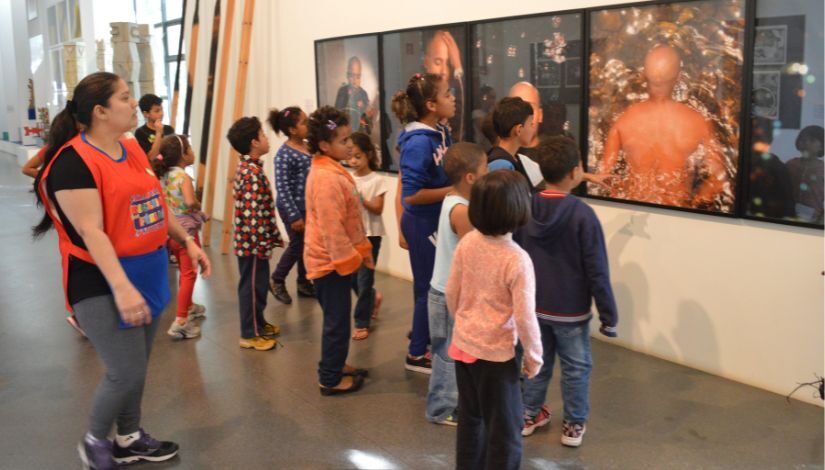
(541, 419)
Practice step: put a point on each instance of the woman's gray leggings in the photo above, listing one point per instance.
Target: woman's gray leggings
(125, 354)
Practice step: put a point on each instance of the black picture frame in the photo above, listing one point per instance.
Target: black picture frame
(568, 76)
(413, 50)
(649, 21)
(334, 57)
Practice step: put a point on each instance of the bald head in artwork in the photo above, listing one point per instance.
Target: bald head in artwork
(529, 93)
(657, 137)
(662, 68)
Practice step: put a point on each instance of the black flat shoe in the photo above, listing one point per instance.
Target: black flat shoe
(357, 383)
(357, 373)
(306, 290)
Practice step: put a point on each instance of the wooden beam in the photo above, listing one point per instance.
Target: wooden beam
(237, 112)
(216, 132)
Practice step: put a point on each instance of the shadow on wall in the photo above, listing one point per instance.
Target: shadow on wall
(693, 338)
(630, 285)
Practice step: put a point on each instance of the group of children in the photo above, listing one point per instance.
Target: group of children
(504, 273)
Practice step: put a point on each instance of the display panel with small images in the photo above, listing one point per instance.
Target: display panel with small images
(538, 59)
(785, 168)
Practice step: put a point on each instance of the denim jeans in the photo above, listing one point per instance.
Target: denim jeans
(419, 231)
(252, 292)
(293, 254)
(362, 284)
(333, 291)
(572, 345)
(442, 398)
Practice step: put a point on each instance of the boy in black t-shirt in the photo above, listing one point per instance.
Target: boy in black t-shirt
(150, 134)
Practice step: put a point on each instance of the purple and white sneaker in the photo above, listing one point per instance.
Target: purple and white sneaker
(145, 448)
(96, 453)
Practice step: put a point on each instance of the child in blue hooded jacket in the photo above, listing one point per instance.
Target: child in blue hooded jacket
(422, 107)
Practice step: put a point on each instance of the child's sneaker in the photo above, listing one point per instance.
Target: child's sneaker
(278, 290)
(450, 420)
(271, 330)
(531, 423)
(196, 311)
(258, 343)
(145, 448)
(572, 433)
(185, 331)
(422, 364)
(96, 453)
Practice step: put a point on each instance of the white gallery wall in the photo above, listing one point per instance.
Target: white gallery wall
(740, 299)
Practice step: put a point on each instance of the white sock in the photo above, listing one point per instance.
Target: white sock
(125, 441)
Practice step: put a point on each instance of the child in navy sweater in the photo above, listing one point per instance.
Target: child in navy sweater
(565, 241)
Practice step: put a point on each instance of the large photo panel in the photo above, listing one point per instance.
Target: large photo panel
(438, 50)
(665, 97)
(348, 79)
(538, 59)
(786, 174)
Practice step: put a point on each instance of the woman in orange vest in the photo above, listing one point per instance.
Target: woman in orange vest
(100, 194)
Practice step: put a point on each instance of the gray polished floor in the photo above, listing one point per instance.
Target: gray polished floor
(229, 407)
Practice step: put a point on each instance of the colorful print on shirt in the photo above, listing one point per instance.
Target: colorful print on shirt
(147, 212)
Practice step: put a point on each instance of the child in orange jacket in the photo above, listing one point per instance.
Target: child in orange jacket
(335, 244)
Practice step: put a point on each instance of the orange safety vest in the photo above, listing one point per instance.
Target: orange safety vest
(134, 209)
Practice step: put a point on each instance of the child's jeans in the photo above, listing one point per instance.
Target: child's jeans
(489, 415)
(442, 398)
(333, 291)
(419, 232)
(188, 276)
(572, 345)
(362, 284)
(252, 291)
(293, 254)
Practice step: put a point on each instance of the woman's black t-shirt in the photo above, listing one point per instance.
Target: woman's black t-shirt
(70, 172)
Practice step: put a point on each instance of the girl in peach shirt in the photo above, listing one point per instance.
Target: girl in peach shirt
(491, 292)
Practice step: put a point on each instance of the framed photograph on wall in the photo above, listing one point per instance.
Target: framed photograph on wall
(770, 45)
(534, 58)
(435, 49)
(784, 156)
(663, 123)
(765, 95)
(348, 78)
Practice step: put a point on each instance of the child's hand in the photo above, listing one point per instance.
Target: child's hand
(598, 179)
(609, 331)
(531, 368)
(402, 242)
(369, 263)
(298, 225)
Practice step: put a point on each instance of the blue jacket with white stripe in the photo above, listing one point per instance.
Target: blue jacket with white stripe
(565, 241)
